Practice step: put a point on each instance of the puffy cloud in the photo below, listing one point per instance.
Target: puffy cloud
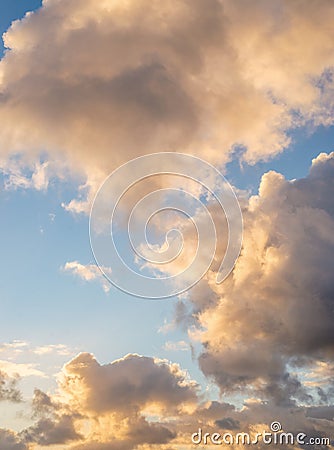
(15, 178)
(122, 405)
(10, 441)
(8, 388)
(104, 83)
(267, 332)
(97, 83)
(88, 272)
(271, 321)
(51, 431)
(126, 385)
(54, 426)
(142, 403)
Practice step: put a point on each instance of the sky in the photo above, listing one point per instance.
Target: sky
(87, 87)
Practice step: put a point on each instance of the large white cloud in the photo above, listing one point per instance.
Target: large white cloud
(127, 384)
(273, 318)
(141, 403)
(104, 82)
(118, 405)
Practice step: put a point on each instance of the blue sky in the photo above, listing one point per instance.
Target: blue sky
(93, 96)
(294, 163)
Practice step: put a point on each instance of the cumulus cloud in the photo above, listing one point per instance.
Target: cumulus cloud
(141, 403)
(117, 405)
(51, 431)
(8, 388)
(10, 441)
(127, 384)
(271, 322)
(267, 334)
(88, 272)
(102, 83)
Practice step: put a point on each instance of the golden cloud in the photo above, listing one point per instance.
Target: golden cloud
(102, 83)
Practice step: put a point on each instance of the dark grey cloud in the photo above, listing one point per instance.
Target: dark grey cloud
(58, 430)
(10, 441)
(227, 423)
(321, 412)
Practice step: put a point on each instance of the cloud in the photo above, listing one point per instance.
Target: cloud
(21, 359)
(176, 346)
(228, 423)
(20, 369)
(59, 349)
(127, 384)
(271, 321)
(8, 388)
(89, 272)
(139, 402)
(23, 172)
(321, 412)
(51, 431)
(53, 426)
(15, 346)
(117, 405)
(15, 349)
(96, 85)
(9, 441)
